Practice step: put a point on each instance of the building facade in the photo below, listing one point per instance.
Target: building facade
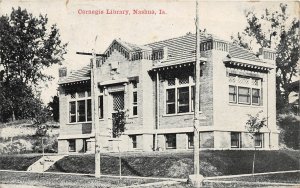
(154, 85)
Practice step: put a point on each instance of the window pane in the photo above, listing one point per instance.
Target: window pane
(232, 94)
(171, 108)
(135, 110)
(170, 101)
(118, 101)
(72, 113)
(171, 81)
(135, 97)
(244, 91)
(100, 103)
(244, 95)
(171, 95)
(255, 96)
(183, 100)
(81, 111)
(134, 104)
(184, 79)
(89, 110)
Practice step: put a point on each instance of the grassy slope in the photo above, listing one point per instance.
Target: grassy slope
(181, 164)
(17, 162)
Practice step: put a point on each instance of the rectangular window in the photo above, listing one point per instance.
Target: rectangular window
(72, 111)
(244, 90)
(190, 140)
(89, 110)
(134, 104)
(235, 139)
(171, 141)
(170, 101)
(179, 94)
(232, 94)
(244, 95)
(81, 111)
(258, 140)
(183, 100)
(100, 103)
(255, 96)
(72, 145)
(134, 143)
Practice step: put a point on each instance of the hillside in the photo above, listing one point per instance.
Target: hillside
(180, 164)
(19, 137)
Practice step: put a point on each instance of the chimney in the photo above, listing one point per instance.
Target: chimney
(267, 55)
(165, 52)
(62, 72)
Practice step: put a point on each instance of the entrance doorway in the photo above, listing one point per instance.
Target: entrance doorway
(118, 107)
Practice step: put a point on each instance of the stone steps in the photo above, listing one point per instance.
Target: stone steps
(44, 163)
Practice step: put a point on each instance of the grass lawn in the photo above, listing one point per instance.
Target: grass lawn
(17, 162)
(54, 180)
(292, 177)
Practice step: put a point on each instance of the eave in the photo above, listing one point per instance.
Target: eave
(74, 82)
(176, 64)
(248, 65)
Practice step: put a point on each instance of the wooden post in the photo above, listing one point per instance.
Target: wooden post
(196, 179)
(95, 115)
(197, 97)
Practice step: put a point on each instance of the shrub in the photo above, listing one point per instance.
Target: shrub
(17, 146)
(290, 130)
(50, 144)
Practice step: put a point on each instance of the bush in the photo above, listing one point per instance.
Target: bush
(17, 146)
(290, 130)
(50, 144)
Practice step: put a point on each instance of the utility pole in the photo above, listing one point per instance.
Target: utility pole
(196, 179)
(95, 115)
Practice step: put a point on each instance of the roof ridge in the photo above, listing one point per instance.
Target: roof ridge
(189, 34)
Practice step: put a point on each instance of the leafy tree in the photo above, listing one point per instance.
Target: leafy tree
(27, 46)
(54, 107)
(253, 125)
(275, 30)
(290, 130)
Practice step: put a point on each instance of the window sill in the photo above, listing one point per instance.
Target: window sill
(133, 117)
(181, 114)
(74, 123)
(246, 105)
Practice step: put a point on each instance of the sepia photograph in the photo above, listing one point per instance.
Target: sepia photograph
(149, 93)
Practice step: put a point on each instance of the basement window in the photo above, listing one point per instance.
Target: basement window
(72, 145)
(171, 141)
(235, 139)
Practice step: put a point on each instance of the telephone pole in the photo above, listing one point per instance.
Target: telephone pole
(95, 115)
(196, 179)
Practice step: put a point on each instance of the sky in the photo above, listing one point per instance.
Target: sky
(220, 18)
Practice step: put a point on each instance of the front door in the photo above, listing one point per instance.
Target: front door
(118, 105)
